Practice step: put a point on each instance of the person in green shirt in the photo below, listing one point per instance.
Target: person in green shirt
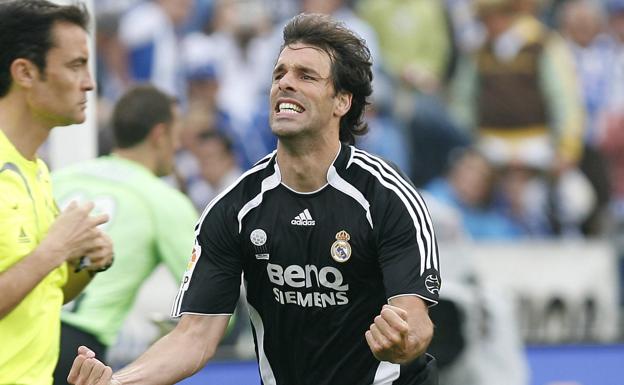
(44, 80)
(150, 222)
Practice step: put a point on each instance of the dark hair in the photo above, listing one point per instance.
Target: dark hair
(137, 112)
(350, 68)
(26, 32)
(213, 134)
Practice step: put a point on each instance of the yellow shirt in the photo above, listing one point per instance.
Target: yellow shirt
(29, 335)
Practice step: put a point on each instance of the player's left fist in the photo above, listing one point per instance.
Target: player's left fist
(388, 336)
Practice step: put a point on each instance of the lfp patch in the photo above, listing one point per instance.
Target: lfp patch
(191, 265)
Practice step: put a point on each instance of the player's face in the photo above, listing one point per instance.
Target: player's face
(303, 100)
(59, 95)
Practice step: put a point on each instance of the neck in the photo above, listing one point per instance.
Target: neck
(304, 168)
(19, 125)
(139, 154)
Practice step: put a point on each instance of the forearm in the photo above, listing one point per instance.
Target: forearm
(176, 356)
(76, 282)
(20, 279)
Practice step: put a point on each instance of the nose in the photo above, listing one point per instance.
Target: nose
(88, 84)
(286, 82)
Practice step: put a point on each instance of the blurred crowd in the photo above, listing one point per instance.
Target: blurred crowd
(509, 111)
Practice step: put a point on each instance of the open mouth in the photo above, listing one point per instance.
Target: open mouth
(289, 108)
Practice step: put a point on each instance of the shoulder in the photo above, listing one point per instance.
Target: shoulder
(162, 194)
(383, 184)
(374, 173)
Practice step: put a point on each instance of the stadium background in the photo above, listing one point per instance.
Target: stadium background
(565, 292)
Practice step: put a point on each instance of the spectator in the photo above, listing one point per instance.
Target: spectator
(520, 96)
(470, 188)
(615, 10)
(216, 161)
(148, 34)
(417, 43)
(583, 24)
(239, 53)
(210, 164)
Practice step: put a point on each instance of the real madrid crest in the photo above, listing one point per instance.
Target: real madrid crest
(341, 249)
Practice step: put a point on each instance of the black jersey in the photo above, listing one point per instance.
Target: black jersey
(317, 268)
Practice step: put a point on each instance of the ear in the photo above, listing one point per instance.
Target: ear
(157, 134)
(342, 103)
(24, 72)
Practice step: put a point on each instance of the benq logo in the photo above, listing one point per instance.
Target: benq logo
(294, 277)
(306, 276)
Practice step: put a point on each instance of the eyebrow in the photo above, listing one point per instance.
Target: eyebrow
(79, 60)
(299, 68)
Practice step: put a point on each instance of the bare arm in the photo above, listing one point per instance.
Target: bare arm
(402, 331)
(69, 237)
(178, 355)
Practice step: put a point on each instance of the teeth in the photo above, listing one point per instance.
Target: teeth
(289, 107)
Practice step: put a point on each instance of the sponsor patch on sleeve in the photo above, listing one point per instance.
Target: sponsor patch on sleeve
(191, 266)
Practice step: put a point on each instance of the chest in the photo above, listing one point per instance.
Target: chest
(298, 232)
(26, 212)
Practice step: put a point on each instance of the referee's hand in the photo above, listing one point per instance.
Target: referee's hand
(88, 370)
(388, 337)
(73, 233)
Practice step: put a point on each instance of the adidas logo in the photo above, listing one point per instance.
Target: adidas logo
(23, 238)
(303, 219)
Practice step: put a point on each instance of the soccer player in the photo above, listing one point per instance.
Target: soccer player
(336, 247)
(150, 222)
(44, 80)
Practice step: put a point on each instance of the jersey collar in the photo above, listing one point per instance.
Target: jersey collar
(340, 163)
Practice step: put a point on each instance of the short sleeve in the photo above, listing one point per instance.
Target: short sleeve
(211, 283)
(17, 226)
(407, 247)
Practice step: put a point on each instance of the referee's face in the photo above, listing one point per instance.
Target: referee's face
(58, 96)
(303, 101)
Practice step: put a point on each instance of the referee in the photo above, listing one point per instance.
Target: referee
(335, 246)
(44, 81)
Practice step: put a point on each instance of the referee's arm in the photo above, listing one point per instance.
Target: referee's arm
(402, 331)
(178, 355)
